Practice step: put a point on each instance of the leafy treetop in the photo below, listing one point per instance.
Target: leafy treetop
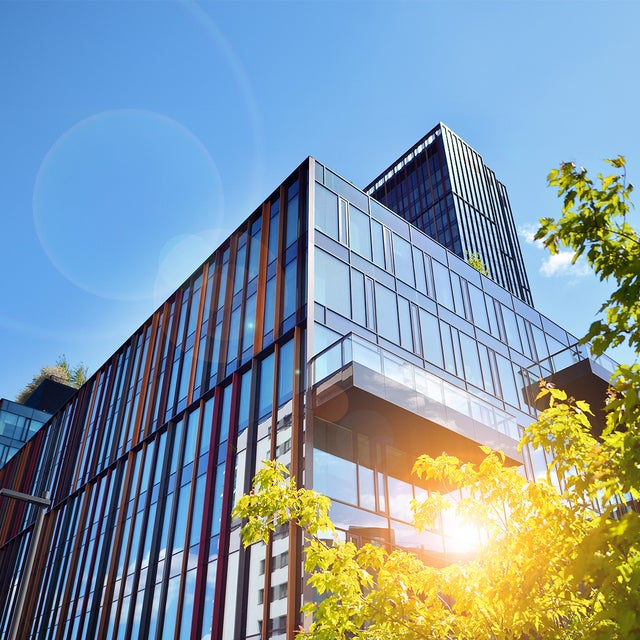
(62, 371)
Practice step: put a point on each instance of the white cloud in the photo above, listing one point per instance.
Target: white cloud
(560, 264)
(527, 233)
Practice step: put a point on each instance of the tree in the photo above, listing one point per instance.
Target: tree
(475, 260)
(76, 375)
(62, 371)
(560, 558)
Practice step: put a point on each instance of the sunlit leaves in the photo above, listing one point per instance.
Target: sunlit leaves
(595, 223)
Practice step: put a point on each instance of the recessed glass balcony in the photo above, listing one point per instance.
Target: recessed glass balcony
(357, 381)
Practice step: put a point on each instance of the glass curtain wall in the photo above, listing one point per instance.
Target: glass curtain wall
(378, 277)
(146, 461)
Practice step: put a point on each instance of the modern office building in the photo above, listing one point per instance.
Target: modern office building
(19, 421)
(326, 332)
(443, 187)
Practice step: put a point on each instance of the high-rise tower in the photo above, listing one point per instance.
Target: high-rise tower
(443, 187)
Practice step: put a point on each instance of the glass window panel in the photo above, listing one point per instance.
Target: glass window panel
(245, 401)
(323, 337)
(400, 496)
(486, 369)
(511, 328)
(403, 260)
(265, 396)
(334, 476)
(382, 493)
(290, 290)
(187, 605)
(182, 517)
(326, 212)
(357, 298)
(207, 420)
(273, 230)
(185, 376)
(431, 341)
(541, 345)
(378, 243)
(291, 232)
(359, 233)
(366, 488)
(418, 267)
(269, 306)
(342, 221)
(371, 320)
(387, 313)
(161, 445)
(193, 313)
(447, 346)
(249, 323)
(171, 608)
(507, 382)
(197, 511)
(177, 441)
(443, 284)
(208, 601)
(332, 283)
(226, 414)
(388, 250)
(458, 297)
(238, 279)
(191, 437)
(493, 319)
(234, 329)
(346, 190)
(254, 255)
(216, 517)
(472, 370)
(428, 271)
(527, 347)
(285, 373)
(478, 308)
(404, 313)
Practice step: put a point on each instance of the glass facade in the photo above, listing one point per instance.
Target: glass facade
(145, 462)
(442, 186)
(437, 339)
(17, 424)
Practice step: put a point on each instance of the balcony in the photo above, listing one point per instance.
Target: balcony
(579, 373)
(361, 385)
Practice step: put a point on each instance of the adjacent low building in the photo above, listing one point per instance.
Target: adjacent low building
(19, 421)
(326, 332)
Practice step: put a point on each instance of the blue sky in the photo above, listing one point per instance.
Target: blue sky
(135, 135)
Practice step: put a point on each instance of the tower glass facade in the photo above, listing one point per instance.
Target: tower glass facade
(443, 187)
(326, 332)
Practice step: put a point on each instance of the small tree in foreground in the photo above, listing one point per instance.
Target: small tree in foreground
(551, 565)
